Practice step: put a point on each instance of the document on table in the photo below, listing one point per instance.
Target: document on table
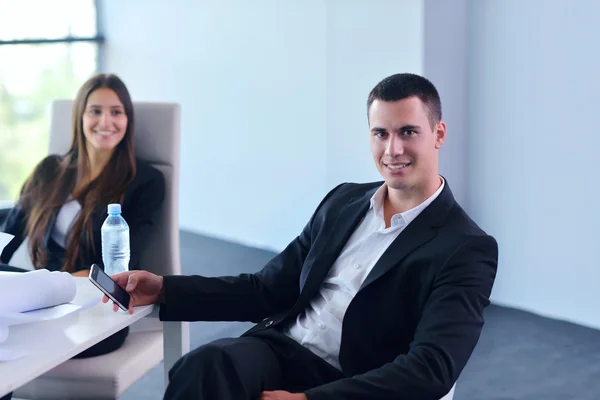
(3, 333)
(33, 296)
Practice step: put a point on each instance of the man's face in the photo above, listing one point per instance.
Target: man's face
(403, 143)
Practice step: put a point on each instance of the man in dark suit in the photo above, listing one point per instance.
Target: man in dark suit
(381, 296)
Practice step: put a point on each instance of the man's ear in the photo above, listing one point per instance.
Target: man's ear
(440, 134)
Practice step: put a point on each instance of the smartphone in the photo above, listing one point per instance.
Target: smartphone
(109, 287)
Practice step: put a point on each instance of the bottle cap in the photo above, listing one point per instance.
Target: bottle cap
(114, 208)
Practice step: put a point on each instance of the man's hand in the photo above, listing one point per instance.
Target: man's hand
(281, 395)
(143, 287)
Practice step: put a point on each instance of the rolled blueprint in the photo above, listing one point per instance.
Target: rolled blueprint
(28, 291)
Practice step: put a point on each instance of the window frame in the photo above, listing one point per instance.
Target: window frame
(99, 39)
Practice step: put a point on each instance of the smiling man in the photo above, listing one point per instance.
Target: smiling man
(406, 134)
(381, 296)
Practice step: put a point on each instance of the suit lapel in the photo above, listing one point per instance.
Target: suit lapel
(347, 221)
(417, 233)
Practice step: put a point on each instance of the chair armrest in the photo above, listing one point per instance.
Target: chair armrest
(176, 343)
(176, 339)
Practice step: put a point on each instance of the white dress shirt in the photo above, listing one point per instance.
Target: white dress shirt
(319, 327)
(64, 220)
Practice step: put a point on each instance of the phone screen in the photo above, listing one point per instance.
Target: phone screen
(109, 287)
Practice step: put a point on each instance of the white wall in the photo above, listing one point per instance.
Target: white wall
(445, 64)
(273, 98)
(533, 150)
(366, 41)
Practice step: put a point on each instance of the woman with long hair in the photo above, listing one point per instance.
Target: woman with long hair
(63, 203)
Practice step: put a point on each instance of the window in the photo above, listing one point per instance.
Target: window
(44, 55)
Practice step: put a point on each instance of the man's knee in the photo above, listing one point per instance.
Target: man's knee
(208, 356)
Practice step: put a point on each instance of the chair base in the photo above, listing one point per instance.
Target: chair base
(103, 377)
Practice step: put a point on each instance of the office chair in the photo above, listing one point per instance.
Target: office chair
(108, 376)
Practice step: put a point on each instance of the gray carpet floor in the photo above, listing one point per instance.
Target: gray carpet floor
(519, 356)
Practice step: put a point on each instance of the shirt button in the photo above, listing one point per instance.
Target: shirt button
(321, 325)
(356, 266)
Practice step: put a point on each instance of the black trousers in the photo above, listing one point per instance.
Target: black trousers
(242, 368)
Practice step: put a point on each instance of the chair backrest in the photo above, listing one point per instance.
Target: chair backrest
(157, 137)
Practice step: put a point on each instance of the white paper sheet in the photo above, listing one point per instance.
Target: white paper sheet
(3, 333)
(45, 314)
(34, 290)
(35, 296)
(5, 239)
(9, 353)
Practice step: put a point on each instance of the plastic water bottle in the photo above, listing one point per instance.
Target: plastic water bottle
(115, 241)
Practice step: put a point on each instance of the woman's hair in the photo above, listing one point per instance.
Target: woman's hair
(51, 183)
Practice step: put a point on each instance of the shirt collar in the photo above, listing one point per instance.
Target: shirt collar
(408, 216)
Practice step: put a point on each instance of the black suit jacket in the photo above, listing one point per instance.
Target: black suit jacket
(142, 199)
(412, 326)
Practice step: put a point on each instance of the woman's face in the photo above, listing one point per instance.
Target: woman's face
(104, 120)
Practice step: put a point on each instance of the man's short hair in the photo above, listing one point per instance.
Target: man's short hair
(402, 86)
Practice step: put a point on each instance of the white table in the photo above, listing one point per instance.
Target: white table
(50, 343)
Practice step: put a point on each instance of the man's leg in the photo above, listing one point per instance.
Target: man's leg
(301, 369)
(226, 369)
